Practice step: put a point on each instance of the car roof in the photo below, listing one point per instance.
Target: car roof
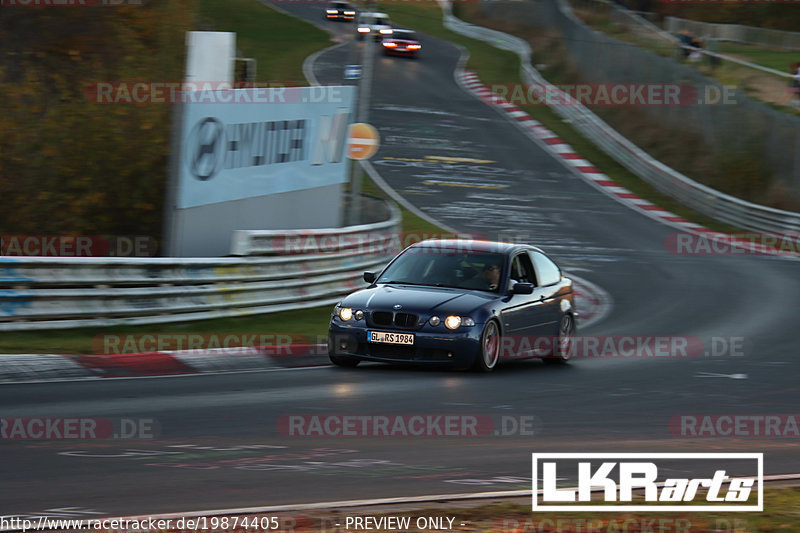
(474, 245)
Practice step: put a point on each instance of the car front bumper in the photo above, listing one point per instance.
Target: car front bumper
(457, 348)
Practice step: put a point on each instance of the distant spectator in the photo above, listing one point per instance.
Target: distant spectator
(697, 49)
(795, 85)
(712, 45)
(685, 39)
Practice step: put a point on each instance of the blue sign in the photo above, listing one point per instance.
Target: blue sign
(352, 72)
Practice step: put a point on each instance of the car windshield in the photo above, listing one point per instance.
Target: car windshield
(446, 268)
(406, 35)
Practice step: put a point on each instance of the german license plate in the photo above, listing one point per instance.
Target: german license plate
(390, 338)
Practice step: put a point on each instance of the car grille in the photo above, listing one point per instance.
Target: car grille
(405, 320)
(382, 318)
(407, 353)
(392, 351)
(400, 320)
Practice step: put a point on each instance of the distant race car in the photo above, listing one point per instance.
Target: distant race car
(457, 303)
(339, 10)
(401, 42)
(378, 25)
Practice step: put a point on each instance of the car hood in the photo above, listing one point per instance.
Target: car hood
(419, 300)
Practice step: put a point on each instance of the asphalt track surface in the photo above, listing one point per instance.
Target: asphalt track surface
(219, 441)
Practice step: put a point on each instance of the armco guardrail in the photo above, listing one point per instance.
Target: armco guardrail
(53, 292)
(268, 242)
(703, 199)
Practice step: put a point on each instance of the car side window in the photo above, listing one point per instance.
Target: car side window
(522, 270)
(546, 270)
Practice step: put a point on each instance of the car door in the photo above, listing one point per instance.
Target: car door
(547, 291)
(524, 316)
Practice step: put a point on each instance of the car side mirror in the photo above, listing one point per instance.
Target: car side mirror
(369, 277)
(522, 288)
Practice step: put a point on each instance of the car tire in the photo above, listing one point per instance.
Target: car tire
(343, 360)
(489, 353)
(564, 346)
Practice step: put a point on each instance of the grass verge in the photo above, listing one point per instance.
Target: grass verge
(279, 43)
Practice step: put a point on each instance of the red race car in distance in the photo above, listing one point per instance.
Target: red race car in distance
(401, 42)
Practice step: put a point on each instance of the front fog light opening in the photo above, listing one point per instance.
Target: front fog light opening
(435, 321)
(359, 314)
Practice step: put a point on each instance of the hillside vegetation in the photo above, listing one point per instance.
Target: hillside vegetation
(70, 166)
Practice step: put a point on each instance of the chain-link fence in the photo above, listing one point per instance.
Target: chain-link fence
(737, 33)
(728, 121)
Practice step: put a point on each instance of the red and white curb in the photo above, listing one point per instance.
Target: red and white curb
(590, 173)
(15, 368)
(591, 302)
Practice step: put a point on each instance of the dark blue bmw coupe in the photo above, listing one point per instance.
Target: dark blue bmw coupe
(463, 303)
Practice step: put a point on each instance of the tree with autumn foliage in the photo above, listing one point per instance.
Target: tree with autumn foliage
(69, 165)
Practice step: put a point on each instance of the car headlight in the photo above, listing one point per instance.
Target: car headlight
(435, 320)
(413, 47)
(345, 313)
(455, 322)
(363, 30)
(452, 322)
(350, 13)
(332, 11)
(386, 32)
